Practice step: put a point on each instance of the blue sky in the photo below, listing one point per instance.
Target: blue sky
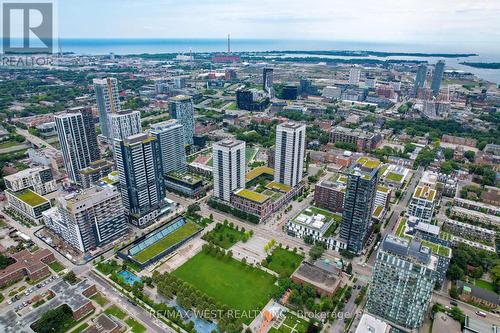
(354, 20)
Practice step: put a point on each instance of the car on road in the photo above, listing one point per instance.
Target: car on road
(481, 314)
(454, 303)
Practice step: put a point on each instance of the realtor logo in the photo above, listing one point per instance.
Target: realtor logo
(27, 27)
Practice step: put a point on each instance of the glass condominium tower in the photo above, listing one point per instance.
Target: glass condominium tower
(359, 198)
(402, 283)
(108, 101)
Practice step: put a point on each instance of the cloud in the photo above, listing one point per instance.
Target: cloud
(366, 20)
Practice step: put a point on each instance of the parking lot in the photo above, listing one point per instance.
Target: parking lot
(23, 300)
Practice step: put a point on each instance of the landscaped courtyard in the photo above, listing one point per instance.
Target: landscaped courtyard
(231, 282)
(225, 236)
(291, 324)
(282, 261)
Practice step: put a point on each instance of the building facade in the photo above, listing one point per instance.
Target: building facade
(359, 200)
(330, 195)
(181, 108)
(39, 179)
(124, 124)
(139, 165)
(289, 153)
(229, 166)
(422, 203)
(437, 77)
(89, 219)
(78, 142)
(94, 172)
(170, 135)
(108, 101)
(402, 282)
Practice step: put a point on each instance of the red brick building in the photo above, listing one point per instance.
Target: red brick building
(32, 265)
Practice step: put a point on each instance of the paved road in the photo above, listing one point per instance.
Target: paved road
(349, 310)
(33, 138)
(469, 310)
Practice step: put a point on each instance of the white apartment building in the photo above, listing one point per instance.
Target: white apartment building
(289, 153)
(229, 166)
(124, 124)
(422, 204)
(39, 179)
(170, 135)
(354, 75)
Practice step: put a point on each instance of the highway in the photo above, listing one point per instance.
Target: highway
(33, 139)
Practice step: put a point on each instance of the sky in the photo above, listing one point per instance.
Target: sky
(411, 21)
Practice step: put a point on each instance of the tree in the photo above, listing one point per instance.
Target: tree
(348, 269)
(70, 277)
(455, 273)
(448, 153)
(193, 208)
(316, 252)
(470, 155)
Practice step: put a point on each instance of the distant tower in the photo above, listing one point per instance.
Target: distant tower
(420, 78)
(354, 75)
(228, 43)
(267, 79)
(437, 77)
(108, 101)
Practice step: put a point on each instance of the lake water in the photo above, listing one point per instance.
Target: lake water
(487, 52)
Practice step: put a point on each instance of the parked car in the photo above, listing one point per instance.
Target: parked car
(481, 314)
(454, 303)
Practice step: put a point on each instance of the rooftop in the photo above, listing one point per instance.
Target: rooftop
(369, 163)
(252, 174)
(278, 186)
(180, 98)
(425, 193)
(31, 198)
(251, 195)
(291, 125)
(229, 143)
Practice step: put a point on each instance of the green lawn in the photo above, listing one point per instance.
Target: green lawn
(8, 144)
(175, 237)
(284, 262)
(100, 299)
(115, 311)
(223, 236)
(394, 177)
(135, 326)
(291, 324)
(228, 281)
(80, 328)
(56, 266)
(484, 285)
(250, 153)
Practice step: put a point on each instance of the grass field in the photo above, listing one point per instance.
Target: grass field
(115, 311)
(175, 237)
(291, 324)
(484, 285)
(100, 299)
(135, 326)
(223, 236)
(284, 262)
(56, 266)
(228, 281)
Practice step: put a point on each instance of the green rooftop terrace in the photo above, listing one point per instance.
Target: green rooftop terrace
(252, 195)
(31, 198)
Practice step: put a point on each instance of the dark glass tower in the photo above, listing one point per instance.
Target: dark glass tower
(358, 203)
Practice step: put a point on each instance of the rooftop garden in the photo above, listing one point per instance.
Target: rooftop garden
(394, 177)
(251, 175)
(252, 195)
(31, 198)
(278, 186)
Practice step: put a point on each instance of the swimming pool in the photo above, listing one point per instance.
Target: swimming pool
(130, 278)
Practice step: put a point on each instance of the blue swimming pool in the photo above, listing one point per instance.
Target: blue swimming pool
(130, 278)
